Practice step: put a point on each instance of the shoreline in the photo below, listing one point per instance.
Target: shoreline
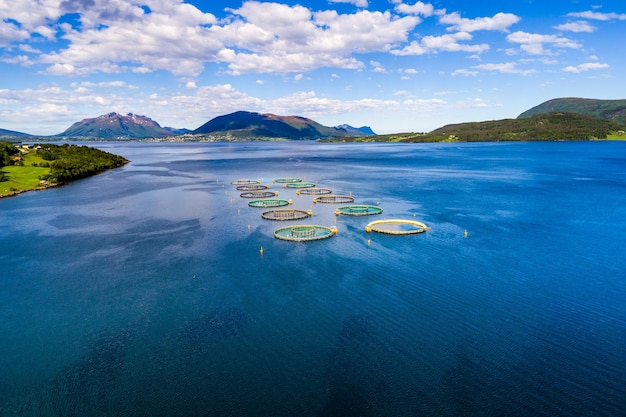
(25, 190)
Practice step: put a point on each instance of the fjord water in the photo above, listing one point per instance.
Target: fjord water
(143, 291)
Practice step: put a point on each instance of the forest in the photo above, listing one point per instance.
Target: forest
(60, 163)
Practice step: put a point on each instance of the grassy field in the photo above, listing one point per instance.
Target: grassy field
(22, 178)
(616, 137)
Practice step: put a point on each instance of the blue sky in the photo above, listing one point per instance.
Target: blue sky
(394, 65)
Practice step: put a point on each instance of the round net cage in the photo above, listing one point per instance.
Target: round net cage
(314, 191)
(330, 199)
(358, 210)
(269, 203)
(286, 214)
(300, 185)
(396, 227)
(286, 180)
(303, 233)
(258, 194)
(252, 187)
(244, 181)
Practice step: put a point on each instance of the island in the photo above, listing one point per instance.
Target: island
(37, 167)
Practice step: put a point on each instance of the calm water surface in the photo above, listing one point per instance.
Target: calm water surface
(143, 292)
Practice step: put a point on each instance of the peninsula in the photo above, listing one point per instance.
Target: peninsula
(26, 168)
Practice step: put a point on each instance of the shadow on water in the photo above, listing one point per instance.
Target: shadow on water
(547, 378)
(217, 323)
(85, 388)
(355, 371)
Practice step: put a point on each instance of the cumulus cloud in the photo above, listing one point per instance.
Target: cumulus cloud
(499, 22)
(445, 43)
(578, 27)
(419, 8)
(171, 36)
(504, 68)
(533, 43)
(598, 16)
(10, 33)
(358, 3)
(588, 66)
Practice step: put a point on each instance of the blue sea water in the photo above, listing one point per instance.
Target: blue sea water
(143, 291)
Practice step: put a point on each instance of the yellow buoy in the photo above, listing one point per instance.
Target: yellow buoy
(465, 233)
(231, 199)
(333, 230)
(290, 202)
(238, 211)
(261, 250)
(248, 227)
(369, 241)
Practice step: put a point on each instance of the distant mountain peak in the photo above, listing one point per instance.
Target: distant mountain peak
(117, 126)
(357, 131)
(249, 125)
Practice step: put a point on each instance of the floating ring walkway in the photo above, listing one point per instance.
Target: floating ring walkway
(244, 181)
(286, 214)
(342, 199)
(252, 187)
(314, 191)
(265, 203)
(258, 194)
(396, 227)
(358, 210)
(286, 180)
(304, 233)
(299, 185)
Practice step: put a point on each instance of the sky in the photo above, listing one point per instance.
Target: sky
(394, 65)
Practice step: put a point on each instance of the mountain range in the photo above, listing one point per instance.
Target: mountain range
(243, 125)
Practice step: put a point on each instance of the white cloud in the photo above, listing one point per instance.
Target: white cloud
(358, 3)
(118, 35)
(419, 8)
(578, 27)
(598, 16)
(446, 43)
(10, 33)
(504, 68)
(588, 66)
(465, 72)
(533, 43)
(62, 69)
(499, 22)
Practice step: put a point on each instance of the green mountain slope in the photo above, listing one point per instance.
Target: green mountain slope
(614, 110)
(550, 126)
(249, 125)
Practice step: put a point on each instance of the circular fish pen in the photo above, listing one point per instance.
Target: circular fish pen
(258, 194)
(396, 227)
(314, 191)
(303, 233)
(265, 203)
(286, 180)
(330, 199)
(358, 210)
(244, 181)
(300, 185)
(286, 214)
(252, 187)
